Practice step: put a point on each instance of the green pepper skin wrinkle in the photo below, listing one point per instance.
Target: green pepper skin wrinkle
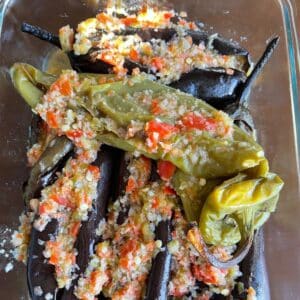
(224, 220)
(244, 203)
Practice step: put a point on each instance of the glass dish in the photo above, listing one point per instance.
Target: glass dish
(274, 104)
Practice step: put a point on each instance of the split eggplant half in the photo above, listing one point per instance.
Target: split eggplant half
(87, 237)
(214, 85)
(39, 272)
(224, 90)
(157, 286)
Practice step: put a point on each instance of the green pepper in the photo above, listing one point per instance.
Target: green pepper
(205, 155)
(193, 193)
(237, 207)
(30, 82)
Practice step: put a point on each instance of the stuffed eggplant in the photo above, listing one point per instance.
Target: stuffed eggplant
(40, 275)
(171, 49)
(204, 162)
(188, 189)
(216, 74)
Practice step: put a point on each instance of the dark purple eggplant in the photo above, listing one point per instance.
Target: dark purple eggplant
(120, 182)
(39, 273)
(41, 34)
(35, 130)
(215, 86)
(239, 109)
(87, 237)
(157, 285)
(221, 45)
(254, 272)
(146, 34)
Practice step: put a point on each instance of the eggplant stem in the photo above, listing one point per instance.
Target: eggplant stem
(41, 34)
(258, 68)
(196, 239)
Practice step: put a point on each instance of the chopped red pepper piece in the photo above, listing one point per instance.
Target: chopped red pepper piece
(74, 229)
(155, 203)
(165, 169)
(103, 18)
(60, 200)
(155, 108)
(134, 55)
(63, 85)
(206, 273)
(157, 62)
(51, 119)
(157, 131)
(129, 246)
(44, 208)
(73, 134)
(168, 15)
(131, 185)
(129, 21)
(169, 191)
(197, 121)
(54, 259)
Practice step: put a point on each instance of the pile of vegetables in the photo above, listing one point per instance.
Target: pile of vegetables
(210, 176)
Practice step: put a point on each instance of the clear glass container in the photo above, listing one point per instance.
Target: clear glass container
(274, 104)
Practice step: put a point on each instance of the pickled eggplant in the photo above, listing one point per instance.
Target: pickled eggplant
(87, 237)
(159, 276)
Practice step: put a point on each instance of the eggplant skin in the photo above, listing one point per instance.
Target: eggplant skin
(157, 286)
(254, 271)
(214, 86)
(85, 63)
(87, 238)
(120, 177)
(39, 272)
